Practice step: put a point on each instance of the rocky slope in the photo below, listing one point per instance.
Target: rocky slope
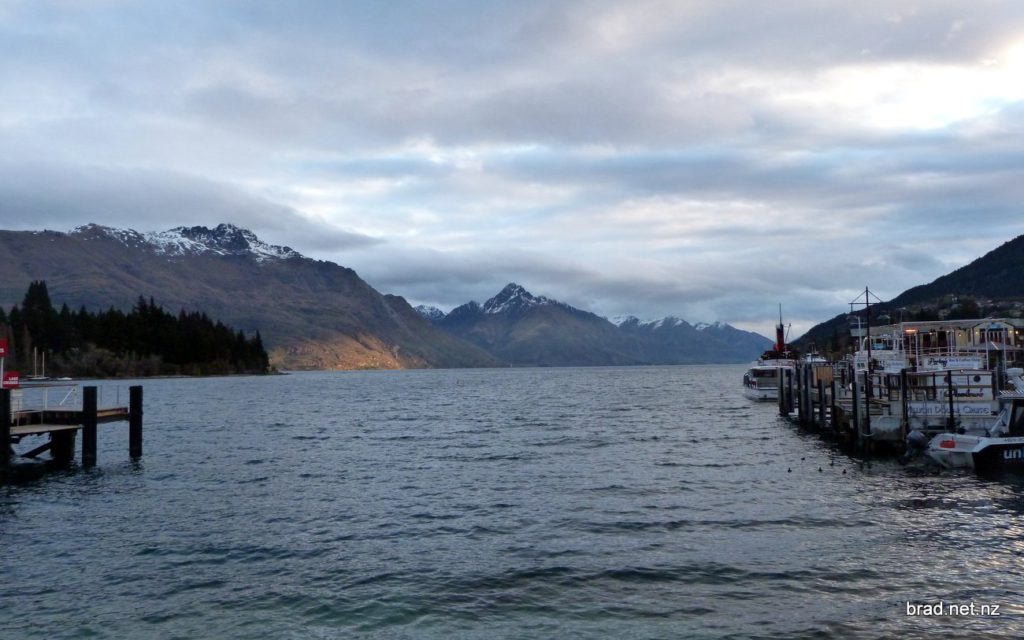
(312, 314)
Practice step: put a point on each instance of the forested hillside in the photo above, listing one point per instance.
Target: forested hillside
(145, 341)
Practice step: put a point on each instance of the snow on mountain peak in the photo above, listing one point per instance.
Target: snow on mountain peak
(224, 239)
(618, 321)
(513, 296)
(702, 326)
(430, 312)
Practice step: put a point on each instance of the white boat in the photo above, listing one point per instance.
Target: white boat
(984, 455)
(995, 449)
(761, 381)
(925, 376)
(36, 375)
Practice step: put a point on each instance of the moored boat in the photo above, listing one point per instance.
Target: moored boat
(943, 375)
(761, 381)
(998, 448)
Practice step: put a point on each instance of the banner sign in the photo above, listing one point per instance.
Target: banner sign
(3, 347)
(949, 362)
(11, 379)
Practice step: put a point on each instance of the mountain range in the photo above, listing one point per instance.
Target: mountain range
(520, 328)
(315, 314)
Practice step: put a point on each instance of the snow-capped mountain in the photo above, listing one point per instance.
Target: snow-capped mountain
(713, 326)
(522, 328)
(430, 312)
(672, 340)
(515, 299)
(223, 240)
(312, 314)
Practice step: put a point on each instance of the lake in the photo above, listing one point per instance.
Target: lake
(645, 502)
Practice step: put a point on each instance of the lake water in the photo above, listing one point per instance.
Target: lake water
(648, 502)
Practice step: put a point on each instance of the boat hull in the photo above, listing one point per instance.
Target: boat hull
(761, 382)
(984, 455)
(761, 395)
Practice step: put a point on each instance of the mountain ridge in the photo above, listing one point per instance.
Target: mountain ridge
(990, 284)
(527, 329)
(312, 314)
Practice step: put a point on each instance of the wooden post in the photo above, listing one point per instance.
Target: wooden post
(904, 404)
(832, 408)
(809, 395)
(821, 404)
(804, 409)
(62, 447)
(799, 373)
(5, 435)
(856, 410)
(135, 421)
(88, 427)
(867, 403)
(789, 391)
(780, 375)
(949, 396)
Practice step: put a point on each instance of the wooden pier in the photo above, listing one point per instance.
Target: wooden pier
(62, 425)
(878, 409)
(825, 398)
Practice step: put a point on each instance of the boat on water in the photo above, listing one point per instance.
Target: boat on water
(998, 448)
(37, 376)
(761, 381)
(934, 376)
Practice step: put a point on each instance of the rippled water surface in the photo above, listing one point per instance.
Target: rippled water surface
(521, 503)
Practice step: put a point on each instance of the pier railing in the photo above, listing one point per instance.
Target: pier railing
(63, 395)
(43, 397)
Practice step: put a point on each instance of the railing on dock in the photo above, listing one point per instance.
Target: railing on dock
(55, 410)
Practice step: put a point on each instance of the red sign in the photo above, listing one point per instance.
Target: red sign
(3, 347)
(11, 379)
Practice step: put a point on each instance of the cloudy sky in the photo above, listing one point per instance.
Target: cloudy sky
(706, 159)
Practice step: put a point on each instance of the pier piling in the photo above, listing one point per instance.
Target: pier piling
(832, 408)
(821, 403)
(780, 378)
(88, 427)
(799, 375)
(904, 404)
(789, 391)
(62, 447)
(856, 411)
(867, 404)
(949, 394)
(5, 434)
(135, 422)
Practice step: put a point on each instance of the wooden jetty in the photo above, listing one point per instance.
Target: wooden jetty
(835, 401)
(62, 425)
(876, 410)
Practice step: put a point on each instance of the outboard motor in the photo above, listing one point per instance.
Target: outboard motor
(917, 444)
(917, 441)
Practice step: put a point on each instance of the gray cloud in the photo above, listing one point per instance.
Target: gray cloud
(61, 197)
(705, 159)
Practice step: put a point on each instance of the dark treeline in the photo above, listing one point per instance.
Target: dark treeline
(143, 342)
